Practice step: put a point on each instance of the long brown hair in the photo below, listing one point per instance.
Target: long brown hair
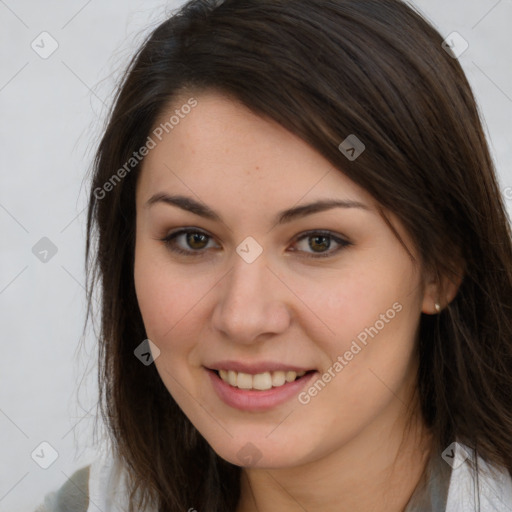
(323, 69)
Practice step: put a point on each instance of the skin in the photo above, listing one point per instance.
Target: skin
(346, 449)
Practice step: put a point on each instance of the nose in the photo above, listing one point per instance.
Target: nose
(252, 303)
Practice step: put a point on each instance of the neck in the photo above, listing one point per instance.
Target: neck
(378, 470)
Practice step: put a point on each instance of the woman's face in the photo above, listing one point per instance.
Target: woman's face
(267, 285)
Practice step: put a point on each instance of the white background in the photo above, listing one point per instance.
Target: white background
(51, 115)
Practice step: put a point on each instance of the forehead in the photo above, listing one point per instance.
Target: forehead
(221, 148)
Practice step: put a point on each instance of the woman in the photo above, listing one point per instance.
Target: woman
(306, 271)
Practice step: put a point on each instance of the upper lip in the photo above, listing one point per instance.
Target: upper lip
(256, 367)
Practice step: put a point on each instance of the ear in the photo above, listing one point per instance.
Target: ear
(441, 289)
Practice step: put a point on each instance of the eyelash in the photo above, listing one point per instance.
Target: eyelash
(170, 242)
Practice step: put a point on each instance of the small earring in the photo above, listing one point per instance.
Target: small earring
(437, 306)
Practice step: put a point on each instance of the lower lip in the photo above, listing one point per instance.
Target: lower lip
(251, 400)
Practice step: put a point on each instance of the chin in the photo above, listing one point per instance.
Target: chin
(258, 451)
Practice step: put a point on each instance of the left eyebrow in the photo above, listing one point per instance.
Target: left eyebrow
(193, 206)
(317, 206)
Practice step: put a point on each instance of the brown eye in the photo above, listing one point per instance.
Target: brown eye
(196, 240)
(320, 244)
(189, 242)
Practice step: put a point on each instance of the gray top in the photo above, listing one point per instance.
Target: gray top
(430, 494)
(102, 486)
(73, 496)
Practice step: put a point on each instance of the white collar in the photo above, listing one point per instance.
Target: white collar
(108, 486)
(492, 490)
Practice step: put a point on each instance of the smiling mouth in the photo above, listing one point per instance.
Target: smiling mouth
(260, 381)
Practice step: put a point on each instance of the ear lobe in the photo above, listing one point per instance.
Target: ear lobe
(440, 291)
(431, 299)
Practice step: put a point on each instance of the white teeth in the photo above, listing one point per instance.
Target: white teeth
(278, 379)
(244, 381)
(231, 378)
(261, 381)
(291, 376)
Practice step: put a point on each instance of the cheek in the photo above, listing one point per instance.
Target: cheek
(369, 316)
(162, 298)
(167, 304)
(172, 302)
(372, 312)
(362, 301)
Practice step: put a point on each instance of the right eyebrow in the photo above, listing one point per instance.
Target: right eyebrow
(193, 206)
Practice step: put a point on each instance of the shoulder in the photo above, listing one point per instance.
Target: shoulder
(73, 496)
(99, 485)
